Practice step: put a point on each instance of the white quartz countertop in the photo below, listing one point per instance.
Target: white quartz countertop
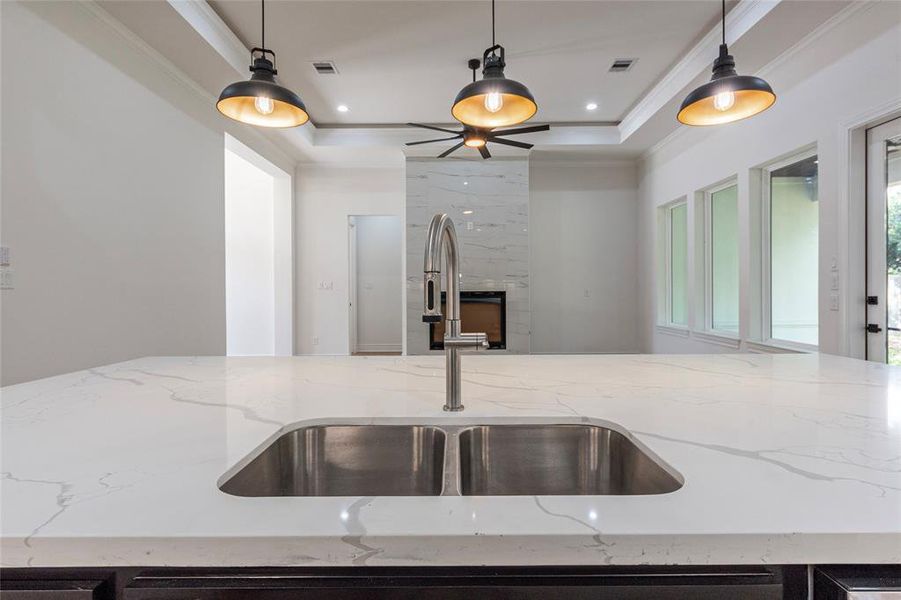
(786, 459)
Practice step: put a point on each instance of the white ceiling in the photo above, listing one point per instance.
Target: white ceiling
(405, 61)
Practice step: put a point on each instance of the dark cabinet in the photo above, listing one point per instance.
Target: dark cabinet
(672, 583)
(49, 589)
(409, 583)
(857, 582)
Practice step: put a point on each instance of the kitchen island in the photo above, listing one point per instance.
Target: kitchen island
(786, 460)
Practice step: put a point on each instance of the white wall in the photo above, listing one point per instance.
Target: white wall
(583, 255)
(325, 196)
(112, 199)
(843, 75)
(249, 258)
(379, 246)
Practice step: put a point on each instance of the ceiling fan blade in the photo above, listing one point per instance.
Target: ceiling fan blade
(531, 129)
(511, 143)
(456, 137)
(432, 127)
(483, 150)
(449, 150)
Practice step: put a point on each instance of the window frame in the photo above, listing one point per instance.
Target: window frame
(708, 257)
(667, 256)
(766, 258)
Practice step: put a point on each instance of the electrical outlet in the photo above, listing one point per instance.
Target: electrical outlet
(833, 301)
(315, 341)
(4, 255)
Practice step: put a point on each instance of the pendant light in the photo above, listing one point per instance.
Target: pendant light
(728, 97)
(261, 100)
(495, 101)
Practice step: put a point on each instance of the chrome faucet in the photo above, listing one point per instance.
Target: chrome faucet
(442, 233)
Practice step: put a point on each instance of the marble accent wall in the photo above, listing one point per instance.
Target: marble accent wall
(494, 237)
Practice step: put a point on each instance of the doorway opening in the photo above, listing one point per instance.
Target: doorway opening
(375, 302)
(884, 242)
(259, 280)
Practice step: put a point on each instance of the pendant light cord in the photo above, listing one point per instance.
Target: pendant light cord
(493, 43)
(724, 22)
(263, 22)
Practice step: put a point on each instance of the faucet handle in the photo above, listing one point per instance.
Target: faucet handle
(468, 341)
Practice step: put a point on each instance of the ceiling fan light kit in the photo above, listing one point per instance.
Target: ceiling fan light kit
(728, 96)
(261, 101)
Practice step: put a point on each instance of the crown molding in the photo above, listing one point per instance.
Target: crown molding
(744, 16)
(205, 21)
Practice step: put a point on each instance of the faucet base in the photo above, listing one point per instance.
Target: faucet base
(453, 408)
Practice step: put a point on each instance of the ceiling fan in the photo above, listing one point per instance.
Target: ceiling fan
(476, 137)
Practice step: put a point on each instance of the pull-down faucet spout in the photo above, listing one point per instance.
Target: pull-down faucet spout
(443, 235)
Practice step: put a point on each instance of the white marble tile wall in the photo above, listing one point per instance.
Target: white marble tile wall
(494, 237)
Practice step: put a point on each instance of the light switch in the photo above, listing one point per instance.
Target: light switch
(833, 301)
(834, 280)
(6, 277)
(4, 255)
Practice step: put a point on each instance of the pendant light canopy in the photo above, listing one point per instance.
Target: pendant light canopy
(494, 101)
(728, 97)
(261, 100)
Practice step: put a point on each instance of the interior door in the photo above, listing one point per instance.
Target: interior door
(884, 243)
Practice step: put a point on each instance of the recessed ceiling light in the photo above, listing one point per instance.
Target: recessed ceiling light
(343, 108)
(467, 212)
(465, 183)
(591, 106)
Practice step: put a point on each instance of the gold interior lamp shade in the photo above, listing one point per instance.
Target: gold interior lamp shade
(727, 98)
(494, 101)
(262, 101)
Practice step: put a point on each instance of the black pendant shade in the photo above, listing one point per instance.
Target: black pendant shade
(494, 101)
(728, 97)
(261, 100)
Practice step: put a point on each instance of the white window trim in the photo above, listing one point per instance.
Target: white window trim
(766, 294)
(708, 260)
(666, 323)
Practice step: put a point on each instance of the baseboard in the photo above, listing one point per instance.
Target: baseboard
(378, 348)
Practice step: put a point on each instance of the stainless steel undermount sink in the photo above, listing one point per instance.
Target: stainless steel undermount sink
(554, 460)
(488, 457)
(346, 460)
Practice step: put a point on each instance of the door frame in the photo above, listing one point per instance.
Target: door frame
(352, 284)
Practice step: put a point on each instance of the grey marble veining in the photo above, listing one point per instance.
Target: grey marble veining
(494, 238)
(785, 458)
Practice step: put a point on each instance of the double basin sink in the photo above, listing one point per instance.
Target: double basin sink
(485, 458)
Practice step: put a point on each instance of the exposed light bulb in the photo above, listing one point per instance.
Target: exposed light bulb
(494, 101)
(724, 101)
(264, 105)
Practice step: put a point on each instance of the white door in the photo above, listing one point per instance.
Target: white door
(884, 243)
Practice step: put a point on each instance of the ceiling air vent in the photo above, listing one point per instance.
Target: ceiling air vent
(325, 67)
(621, 65)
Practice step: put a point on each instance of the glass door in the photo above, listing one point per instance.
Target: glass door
(884, 243)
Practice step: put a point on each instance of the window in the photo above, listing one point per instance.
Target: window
(722, 258)
(677, 263)
(791, 241)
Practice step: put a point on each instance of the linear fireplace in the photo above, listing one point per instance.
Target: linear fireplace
(484, 312)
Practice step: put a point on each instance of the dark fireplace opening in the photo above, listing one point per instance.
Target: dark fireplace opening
(484, 312)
